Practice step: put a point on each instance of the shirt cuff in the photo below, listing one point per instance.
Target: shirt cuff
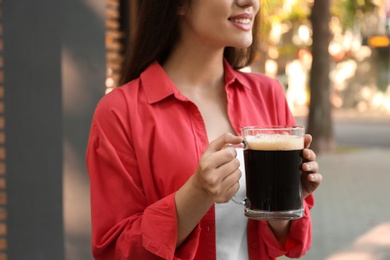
(299, 239)
(160, 229)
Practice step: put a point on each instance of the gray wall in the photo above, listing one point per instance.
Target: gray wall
(54, 75)
(83, 78)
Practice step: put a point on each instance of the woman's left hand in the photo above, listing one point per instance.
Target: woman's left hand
(311, 180)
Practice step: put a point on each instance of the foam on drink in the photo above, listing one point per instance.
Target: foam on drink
(276, 142)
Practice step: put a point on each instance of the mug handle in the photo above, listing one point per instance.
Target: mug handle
(240, 201)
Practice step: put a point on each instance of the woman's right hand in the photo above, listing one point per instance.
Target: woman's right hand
(216, 180)
(218, 171)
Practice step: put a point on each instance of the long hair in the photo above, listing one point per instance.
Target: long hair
(157, 32)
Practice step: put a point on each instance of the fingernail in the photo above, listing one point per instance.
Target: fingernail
(313, 177)
(308, 166)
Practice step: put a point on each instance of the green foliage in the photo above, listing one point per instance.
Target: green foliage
(277, 10)
(349, 10)
(288, 50)
(293, 12)
(268, 14)
(346, 10)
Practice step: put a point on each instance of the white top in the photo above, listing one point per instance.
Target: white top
(231, 224)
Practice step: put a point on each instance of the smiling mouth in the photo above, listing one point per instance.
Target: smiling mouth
(241, 20)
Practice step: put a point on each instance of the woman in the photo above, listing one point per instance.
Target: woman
(157, 157)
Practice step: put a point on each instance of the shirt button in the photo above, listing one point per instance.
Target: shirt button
(254, 245)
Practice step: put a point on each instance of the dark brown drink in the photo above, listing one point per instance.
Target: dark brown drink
(273, 175)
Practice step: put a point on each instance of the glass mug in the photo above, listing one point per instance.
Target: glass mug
(272, 158)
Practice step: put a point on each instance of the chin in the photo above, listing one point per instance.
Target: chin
(243, 43)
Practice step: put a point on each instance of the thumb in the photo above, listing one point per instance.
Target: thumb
(224, 140)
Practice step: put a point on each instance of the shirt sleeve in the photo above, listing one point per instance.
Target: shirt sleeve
(125, 225)
(299, 239)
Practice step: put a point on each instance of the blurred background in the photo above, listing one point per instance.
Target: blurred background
(58, 58)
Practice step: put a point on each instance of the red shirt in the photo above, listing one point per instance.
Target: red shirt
(145, 142)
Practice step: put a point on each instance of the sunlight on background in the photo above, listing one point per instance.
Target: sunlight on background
(75, 94)
(356, 65)
(96, 9)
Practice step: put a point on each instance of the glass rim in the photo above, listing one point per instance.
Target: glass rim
(273, 127)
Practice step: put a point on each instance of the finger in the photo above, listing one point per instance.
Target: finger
(311, 183)
(226, 170)
(229, 194)
(310, 167)
(315, 178)
(232, 191)
(307, 140)
(232, 184)
(308, 155)
(223, 190)
(220, 159)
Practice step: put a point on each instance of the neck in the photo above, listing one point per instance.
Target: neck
(191, 66)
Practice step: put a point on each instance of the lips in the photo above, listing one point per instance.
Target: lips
(242, 21)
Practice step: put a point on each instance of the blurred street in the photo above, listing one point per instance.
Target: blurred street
(351, 217)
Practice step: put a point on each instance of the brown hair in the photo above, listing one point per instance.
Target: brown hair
(157, 33)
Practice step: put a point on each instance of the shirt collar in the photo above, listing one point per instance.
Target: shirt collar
(232, 75)
(158, 85)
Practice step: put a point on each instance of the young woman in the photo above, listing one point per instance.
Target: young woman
(161, 175)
